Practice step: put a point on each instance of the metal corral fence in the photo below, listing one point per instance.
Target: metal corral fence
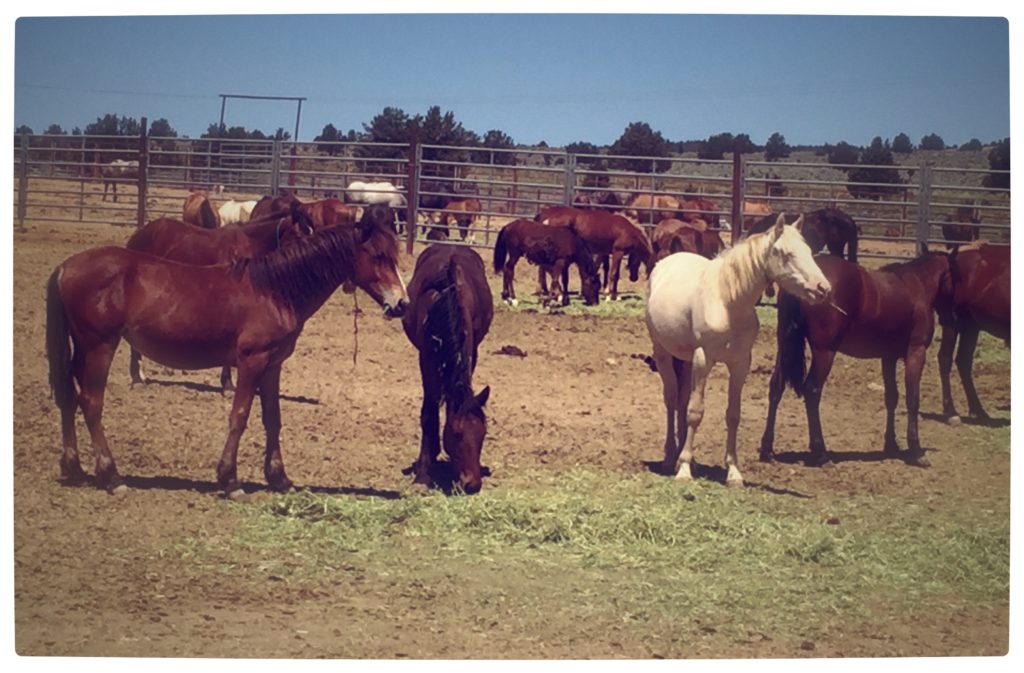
(70, 179)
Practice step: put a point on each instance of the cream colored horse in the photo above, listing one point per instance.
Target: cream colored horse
(701, 311)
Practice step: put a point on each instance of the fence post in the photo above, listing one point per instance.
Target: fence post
(738, 193)
(924, 197)
(81, 183)
(275, 168)
(570, 178)
(143, 177)
(412, 192)
(23, 182)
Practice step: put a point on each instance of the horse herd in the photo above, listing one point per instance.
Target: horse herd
(238, 295)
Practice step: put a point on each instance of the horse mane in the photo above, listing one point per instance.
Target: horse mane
(445, 337)
(742, 266)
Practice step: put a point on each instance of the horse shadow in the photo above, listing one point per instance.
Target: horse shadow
(969, 420)
(717, 474)
(835, 457)
(207, 388)
(165, 483)
(443, 476)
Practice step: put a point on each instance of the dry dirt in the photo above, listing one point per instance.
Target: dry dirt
(578, 398)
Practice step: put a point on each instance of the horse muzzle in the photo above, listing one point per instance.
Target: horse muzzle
(397, 310)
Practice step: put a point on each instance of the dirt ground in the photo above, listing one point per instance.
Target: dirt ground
(580, 397)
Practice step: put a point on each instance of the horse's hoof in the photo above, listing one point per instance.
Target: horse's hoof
(766, 456)
(119, 490)
(420, 488)
(237, 495)
(918, 461)
(954, 421)
(734, 483)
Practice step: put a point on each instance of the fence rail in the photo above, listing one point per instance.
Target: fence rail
(64, 179)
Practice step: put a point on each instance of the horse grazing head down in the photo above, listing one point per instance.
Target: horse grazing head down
(791, 264)
(463, 440)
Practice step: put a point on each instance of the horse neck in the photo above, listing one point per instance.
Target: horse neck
(743, 275)
(449, 333)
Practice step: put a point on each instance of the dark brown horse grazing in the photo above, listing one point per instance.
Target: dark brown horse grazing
(981, 301)
(606, 234)
(188, 244)
(886, 314)
(198, 211)
(450, 311)
(553, 249)
(248, 314)
(826, 227)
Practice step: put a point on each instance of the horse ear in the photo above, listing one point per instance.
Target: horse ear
(780, 225)
(481, 399)
(799, 222)
(923, 248)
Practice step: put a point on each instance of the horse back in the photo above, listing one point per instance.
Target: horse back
(982, 288)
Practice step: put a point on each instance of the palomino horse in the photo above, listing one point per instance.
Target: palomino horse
(248, 314)
(233, 212)
(981, 301)
(607, 234)
(463, 212)
(701, 311)
(188, 244)
(450, 311)
(197, 211)
(553, 249)
(886, 313)
(117, 171)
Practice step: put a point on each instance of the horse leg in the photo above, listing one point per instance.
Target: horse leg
(892, 398)
(249, 375)
(912, 380)
(776, 387)
(949, 336)
(558, 275)
(135, 367)
(670, 394)
(616, 268)
(694, 410)
(821, 365)
(603, 261)
(92, 372)
(508, 291)
(565, 279)
(430, 422)
(270, 410)
(542, 281)
(738, 371)
(965, 365)
(225, 380)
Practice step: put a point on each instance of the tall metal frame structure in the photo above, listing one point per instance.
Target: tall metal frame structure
(298, 111)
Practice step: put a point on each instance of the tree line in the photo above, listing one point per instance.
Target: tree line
(445, 139)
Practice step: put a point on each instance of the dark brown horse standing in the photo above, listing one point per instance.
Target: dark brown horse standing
(248, 314)
(450, 311)
(553, 249)
(886, 314)
(607, 234)
(981, 301)
(188, 244)
(826, 227)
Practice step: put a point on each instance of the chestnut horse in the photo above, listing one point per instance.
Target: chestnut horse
(188, 244)
(450, 311)
(607, 234)
(553, 249)
(248, 314)
(651, 208)
(463, 212)
(887, 314)
(198, 211)
(981, 301)
(323, 213)
(699, 209)
(672, 235)
(701, 311)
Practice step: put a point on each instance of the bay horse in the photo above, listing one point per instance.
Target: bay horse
(608, 235)
(182, 242)
(672, 235)
(553, 249)
(118, 171)
(885, 314)
(981, 301)
(463, 212)
(962, 226)
(450, 311)
(823, 228)
(701, 311)
(248, 314)
(198, 211)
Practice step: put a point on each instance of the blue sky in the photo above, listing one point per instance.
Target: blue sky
(557, 78)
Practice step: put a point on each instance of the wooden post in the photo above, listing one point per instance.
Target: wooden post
(738, 185)
(23, 183)
(140, 217)
(412, 190)
(924, 197)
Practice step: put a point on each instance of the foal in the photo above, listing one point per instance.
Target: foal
(553, 249)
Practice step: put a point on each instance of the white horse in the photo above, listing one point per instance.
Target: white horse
(701, 311)
(116, 171)
(232, 212)
(369, 193)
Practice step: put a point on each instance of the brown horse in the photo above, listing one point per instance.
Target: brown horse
(886, 314)
(699, 209)
(602, 200)
(671, 236)
(962, 226)
(323, 213)
(607, 234)
(463, 212)
(450, 311)
(198, 211)
(825, 227)
(754, 211)
(981, 301)
(651, 208)
(272, 204)
(248, 314)
(188, 244)
(553, 249)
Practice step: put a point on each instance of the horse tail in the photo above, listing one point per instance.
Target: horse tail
(792, 334)
(500, 250)
(58, 344)
(208, 216)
